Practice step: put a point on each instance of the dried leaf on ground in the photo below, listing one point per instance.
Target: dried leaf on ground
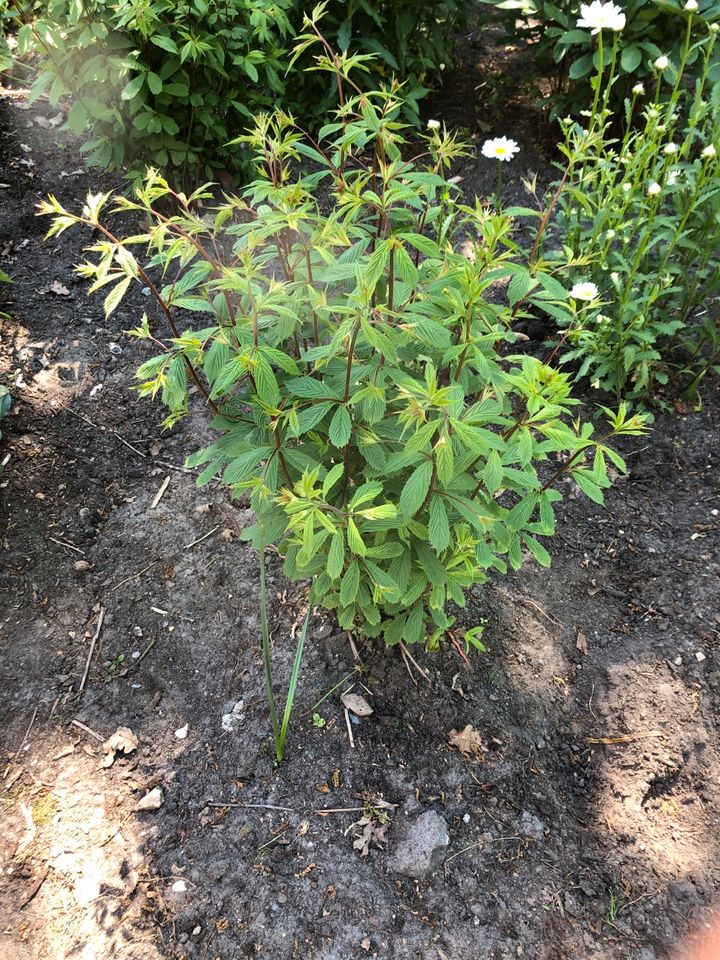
(356, 704)
(58, 288)
(468, 741)
(368, 831)
(581, 642)
(122, 741)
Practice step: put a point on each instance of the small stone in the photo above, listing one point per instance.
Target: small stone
(179, 887)
(81, 566)
(152, 800)
(231, 722)
(84, 513)
(700, 656)
(182, 732)
(197, 931)
(422, 847)
(678, 661)
(466, 818)
(531, 827)
(137, 631)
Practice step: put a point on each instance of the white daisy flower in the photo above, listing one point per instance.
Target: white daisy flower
(691, 6)
(662, 62)
(500, 148)
(585, 290)
(654, 189)
(597, 16)
(433, 124)
(673, 177)
(709, 152)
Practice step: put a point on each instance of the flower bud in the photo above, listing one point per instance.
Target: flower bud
(662, 62)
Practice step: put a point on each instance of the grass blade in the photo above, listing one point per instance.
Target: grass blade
(292, 687)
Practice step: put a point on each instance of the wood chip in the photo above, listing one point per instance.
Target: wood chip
(357, 704)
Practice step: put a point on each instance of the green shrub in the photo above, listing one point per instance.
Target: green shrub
(639, 220)
(359, 369)
(171, 84)
(157, 81)
(569, 56)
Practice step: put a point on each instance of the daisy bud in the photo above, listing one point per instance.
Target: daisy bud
(709, 152)
(669, 149)
(691, 6)
(654, 189)
(610, 234)
(714, 27)
(627, 187)
(662, 62)
(638, 90)
(433, 124)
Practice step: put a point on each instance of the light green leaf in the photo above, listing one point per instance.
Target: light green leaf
(340, 427)
(416, 488)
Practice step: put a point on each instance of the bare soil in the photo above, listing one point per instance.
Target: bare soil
(587, 829)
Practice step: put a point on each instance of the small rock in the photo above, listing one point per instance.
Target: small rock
(81, 566)
(699, 656)
(179, 887)
(231, 722)
(152, 800)
(422, 847)
(531, 828)
(84, 514)
(182, 732)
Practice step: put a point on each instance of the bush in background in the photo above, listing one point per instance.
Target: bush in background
(168, 84)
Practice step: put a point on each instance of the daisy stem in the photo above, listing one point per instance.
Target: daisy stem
(598, 82)
(498, 199)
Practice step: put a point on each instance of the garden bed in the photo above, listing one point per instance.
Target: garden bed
(561, 845)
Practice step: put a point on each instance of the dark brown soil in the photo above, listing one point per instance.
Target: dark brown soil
(561, 846)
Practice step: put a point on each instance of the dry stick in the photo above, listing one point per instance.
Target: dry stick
(114, 433)
(200, 539)
(135, 576)
(77, 723)
(27, 732)
(349, 729)
(92, 651)
(421, 670)
(254, 806)
(161, 493)
(70, 546)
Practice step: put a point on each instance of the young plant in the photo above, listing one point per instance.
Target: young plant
(279, 729)
(642, 215)
(359, 369)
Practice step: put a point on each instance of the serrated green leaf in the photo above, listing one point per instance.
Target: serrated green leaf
(340, 427)
(415, 489)
(355, 541)
(438, 525)
(349, 584)
(336, 555)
